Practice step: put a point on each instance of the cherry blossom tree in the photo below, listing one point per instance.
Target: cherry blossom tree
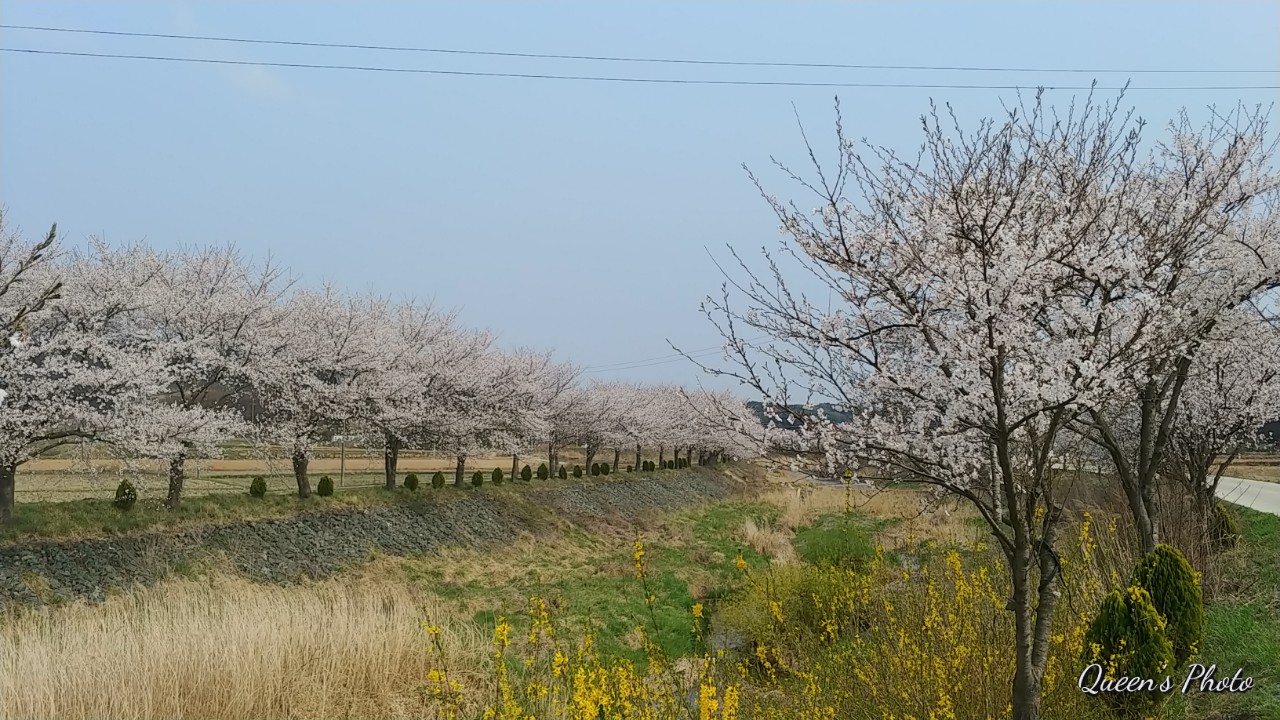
(415, 397)
(536, 382)
(307, 390)
(1231, 389)
(210, 315)
(966, 326)
(77, 368)
(1205, 239)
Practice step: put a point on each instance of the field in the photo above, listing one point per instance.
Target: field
(1256, 466)
(91, 472)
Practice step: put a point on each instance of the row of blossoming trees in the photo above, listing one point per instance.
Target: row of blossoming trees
(1042, 291)
(157, 354)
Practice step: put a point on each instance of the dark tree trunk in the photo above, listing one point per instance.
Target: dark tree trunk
(459, 470)
(637, 465)
(300, 462)
(7, 483)
(552, 463)
(591, 455)
(617, 455)
(702, 457)
(176, 476)
(661, 455)
(515, 466)
(391, 458)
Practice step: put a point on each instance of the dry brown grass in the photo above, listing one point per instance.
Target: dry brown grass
(772, 542)
(920, 516)
(228, 649)
(1264, 470)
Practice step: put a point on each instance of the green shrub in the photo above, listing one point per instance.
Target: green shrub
(411, 482)
(577, 471)
(1175, 592)
(437, 480)
(497, 476)
(1126, 636)
(477, 479)
(324, 488)
(796, 587)
(257, 488)
(628, 468)
(1224, 531)
(126, 495)
(595, 469)
(562, 473)
(526, 473)
(604, 468)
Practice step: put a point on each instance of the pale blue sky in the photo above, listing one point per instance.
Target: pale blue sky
(559, 214)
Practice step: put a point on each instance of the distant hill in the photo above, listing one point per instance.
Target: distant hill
(829, 409)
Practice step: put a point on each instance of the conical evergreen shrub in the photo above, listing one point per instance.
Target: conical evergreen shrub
(1127, 639)
(1175, 592)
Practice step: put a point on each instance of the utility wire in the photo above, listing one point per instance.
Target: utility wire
(597, 78)
(608, 58)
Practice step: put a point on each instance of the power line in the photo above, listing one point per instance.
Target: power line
(609, 58)
(598, 78)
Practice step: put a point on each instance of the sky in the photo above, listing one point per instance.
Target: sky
(582, 217)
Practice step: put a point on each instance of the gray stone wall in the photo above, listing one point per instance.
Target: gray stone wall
(319, 544)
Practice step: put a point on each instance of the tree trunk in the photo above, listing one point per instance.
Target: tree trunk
(591, 455)
(675, 455)
(7, 483)
(637, 465)
(176, 476)
(617, 455)
(515, 467)
(300, 462)
(661, 451)
(551, 459)
(390, 458)
(459, 470)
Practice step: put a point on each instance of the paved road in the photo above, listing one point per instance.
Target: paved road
(1261, 496)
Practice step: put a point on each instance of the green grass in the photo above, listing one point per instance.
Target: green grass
(1244, 632)
(590, 577)
(846, 541)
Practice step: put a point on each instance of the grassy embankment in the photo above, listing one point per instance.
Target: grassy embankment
(925, 620)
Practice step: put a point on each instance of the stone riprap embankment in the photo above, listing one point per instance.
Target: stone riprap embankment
(319, 544)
